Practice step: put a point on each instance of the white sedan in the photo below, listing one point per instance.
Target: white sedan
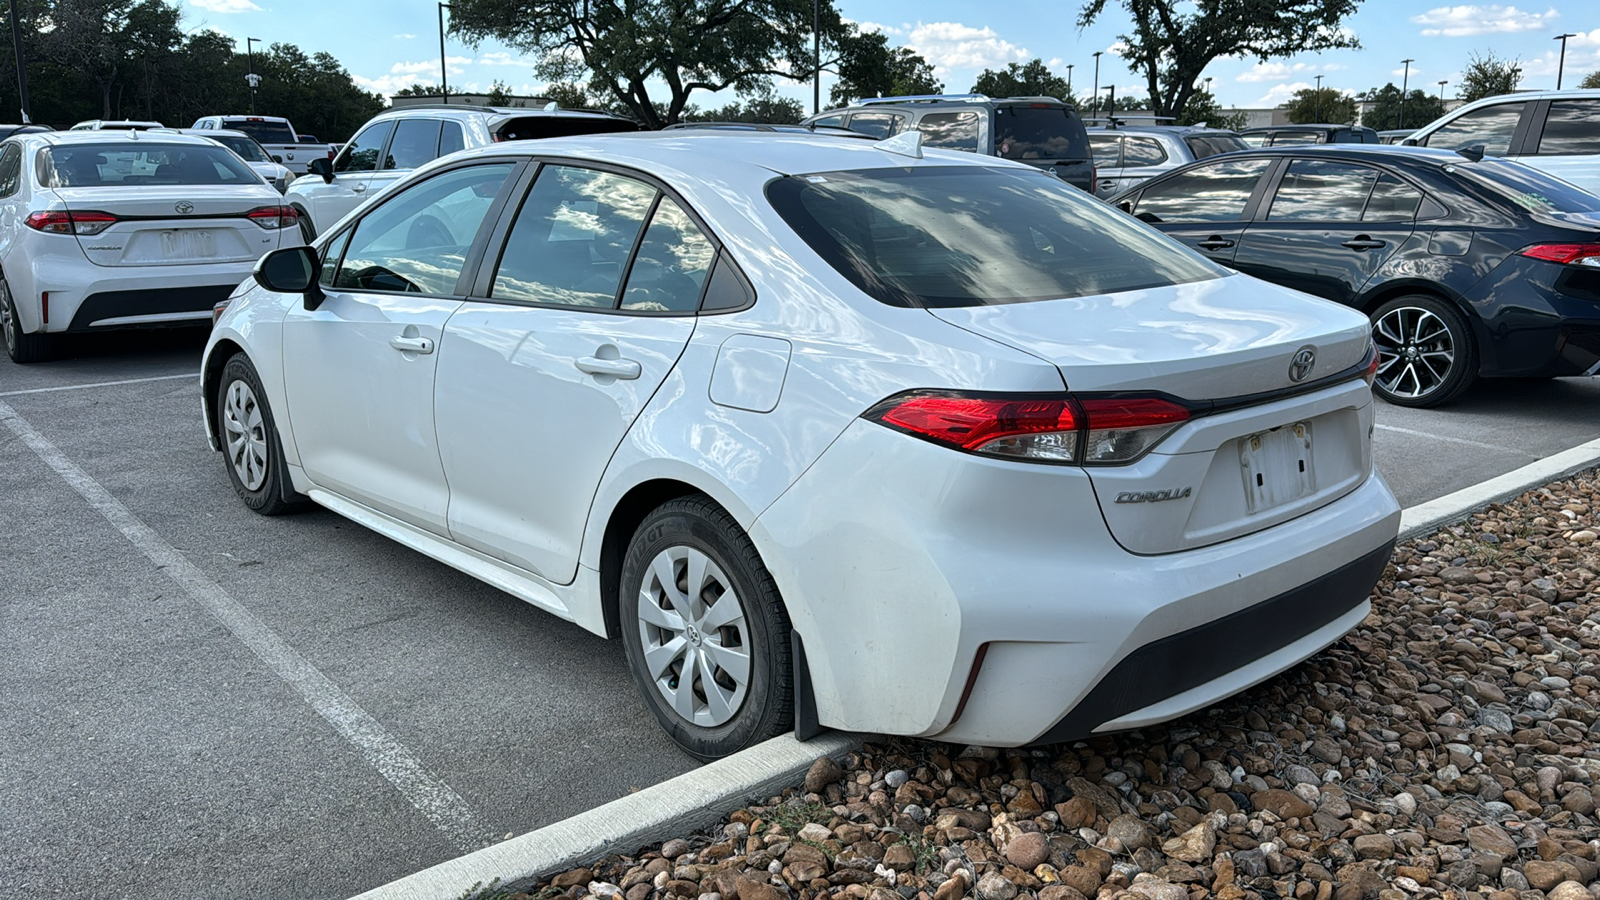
(831, 433)
(118, 229)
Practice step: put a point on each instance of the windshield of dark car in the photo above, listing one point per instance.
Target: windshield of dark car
(127, 163)
(974, 236)
(1526, 187)
(248, 150)
(1039, 132)
(264, 132)
(1206, 145)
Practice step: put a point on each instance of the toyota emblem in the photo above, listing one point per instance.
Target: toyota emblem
(183, 207)
(1300, 366)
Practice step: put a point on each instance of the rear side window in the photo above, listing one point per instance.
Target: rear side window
(952, 236)
(1216, 192)
(1573, 126)
(1525, 187)
(1214, 144)
(1038, 132)
(1392, 200)
(671, 266)
(1142, 151)
(950, 131)
(264, 132)
(361, 154)
(1315, 190)
(1492, 126)
(125, 163)
(415, 143)
(1107, 149)
(878, 125)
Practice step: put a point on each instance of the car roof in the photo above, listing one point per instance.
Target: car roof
(1161, 129)
(1316, 126)
(68, 138)
(500, 111)
(207, 132)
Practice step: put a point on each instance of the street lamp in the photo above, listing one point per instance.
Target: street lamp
(22, 70)
(1095, 106)
(251, 78)
(816, 56)
(444, 75)
(1069, 84)
(1563, 64)
(1441, 89)
(1319, 98)
(1405, 81)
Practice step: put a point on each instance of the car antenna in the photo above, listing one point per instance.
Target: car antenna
(907, 143)
(552, 106)
(1473, 153)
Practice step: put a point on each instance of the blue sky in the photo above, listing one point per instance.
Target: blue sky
(389, 44)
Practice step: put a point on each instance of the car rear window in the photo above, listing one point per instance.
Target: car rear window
(1039, 132)
(1203, 146)
(527, 128)
(947, 236)
(248, 150)
(263, 131)
(1526, 187)
(125, 163)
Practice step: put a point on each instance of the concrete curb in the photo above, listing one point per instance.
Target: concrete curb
(1435, 514)
(673, 808)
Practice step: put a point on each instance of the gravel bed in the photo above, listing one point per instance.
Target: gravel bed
(1445, 748)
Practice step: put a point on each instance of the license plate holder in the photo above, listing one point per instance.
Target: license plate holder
(1277, 466)
(188, 243)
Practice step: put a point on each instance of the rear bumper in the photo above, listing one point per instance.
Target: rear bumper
(1543, 318)
(147, 307)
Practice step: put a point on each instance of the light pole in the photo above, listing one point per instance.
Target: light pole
(1319, 98)
(444, 74)
(1405, 81)
(22, 70)
(1441, 89)
(816, 56)
(1095, 106)
(1069, 85)
(251, 78)
(1563, 63)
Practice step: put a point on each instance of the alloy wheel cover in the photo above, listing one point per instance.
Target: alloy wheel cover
(694, 636)
(1416, 352)
(245, 435)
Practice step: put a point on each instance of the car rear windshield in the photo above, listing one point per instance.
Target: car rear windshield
(1039, 131)
(525, 128)
(1206, 145)
(1526, 187)
(263, 131)
(248, 149)
(944, 236)
(127, 163)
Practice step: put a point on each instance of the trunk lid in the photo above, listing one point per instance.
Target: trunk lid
(1261, 448)
(153, 228)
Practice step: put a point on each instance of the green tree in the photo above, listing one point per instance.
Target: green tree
(1309, 105)
(1203, 108)
(568, 95)
(1032, 80)
(626, 47)
(1173, 41)
(418, 89)
(1384, 114)
(1489, 75)
(1590, 81)
(768, 109)
(869, 67)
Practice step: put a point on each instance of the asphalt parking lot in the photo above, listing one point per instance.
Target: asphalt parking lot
(203, 703)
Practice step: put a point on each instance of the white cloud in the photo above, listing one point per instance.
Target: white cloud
(1118, 49)
(1277, 71)
(405, 74)
(226, 6)
(504, 59)
(881, 28)
(1056, 62)
(1401, 72)
(952, 45)
(1583, 57)
(1465, 21)
(1282, 93)
(405, 37)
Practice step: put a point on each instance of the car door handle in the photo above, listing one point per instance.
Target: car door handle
(411, 344)
(1362, 242)
(625, 369)
(1215, 243)
(1107, 183)
(358, 187)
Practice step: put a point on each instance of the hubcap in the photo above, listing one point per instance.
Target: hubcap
(1416, 351)
(695, 638)
(8, 322)
(246, 435)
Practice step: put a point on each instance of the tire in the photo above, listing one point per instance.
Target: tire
(693, 538)
(250, 446)
(21, 347)
(1426, 353)
(308, 231)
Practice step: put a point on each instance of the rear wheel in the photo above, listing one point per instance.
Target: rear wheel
(250, 441)
(706, 634)
(308, 231)
(1426, 356)
(21, 347)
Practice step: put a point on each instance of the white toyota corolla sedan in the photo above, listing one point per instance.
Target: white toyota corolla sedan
(831, 433)
(118, 229)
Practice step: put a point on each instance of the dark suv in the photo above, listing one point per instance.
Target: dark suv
(1040, 131)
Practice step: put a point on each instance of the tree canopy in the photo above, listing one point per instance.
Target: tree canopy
(1032, 80)
(1590, 81)
(1489, 75)
(1384, 114)
(1203, 108)
(1174, 40)
(619, 47)
(1310, 105)
(869, 67)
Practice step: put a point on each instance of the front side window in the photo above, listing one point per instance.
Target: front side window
(1492, 127)
(126, 163)
(416, 141)
(451, 138)
(1315, 190)
(1142, 151)
(1217, 192)
(829, 122)
(670, 268)
(949, 236)
(878, 125)
(572, 237)
(1573, 126)
(361, 154)
(417, 241)
(950, 131)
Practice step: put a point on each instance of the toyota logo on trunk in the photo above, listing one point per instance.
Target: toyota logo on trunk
(183, 207)
(1300, 366)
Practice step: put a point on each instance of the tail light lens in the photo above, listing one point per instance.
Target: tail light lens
(274, 217)
(1566, 254)
(61, 221)
(1048, 429)
(1369, 366)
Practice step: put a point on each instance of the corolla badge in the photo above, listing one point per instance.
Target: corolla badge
(1304, 360)
(1154, 496)
(183, 207)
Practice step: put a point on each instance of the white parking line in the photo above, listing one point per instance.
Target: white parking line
(81, 387)
(435, 799)
(1455, 440)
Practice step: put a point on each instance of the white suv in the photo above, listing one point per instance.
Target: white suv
(1557, 131)
(397, 141)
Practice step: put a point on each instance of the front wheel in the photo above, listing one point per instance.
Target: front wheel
(706, 634)
(250, 441)
(1426, 356)
(20, 346)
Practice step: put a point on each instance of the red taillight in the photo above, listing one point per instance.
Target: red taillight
(1566, 254)
(1369, 369)
(1058, 429)
(274, 217)
(60, 221)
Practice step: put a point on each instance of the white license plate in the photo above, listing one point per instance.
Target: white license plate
(1277, 466)
(188, 244)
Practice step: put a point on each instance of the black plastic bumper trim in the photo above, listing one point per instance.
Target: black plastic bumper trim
(117, 304)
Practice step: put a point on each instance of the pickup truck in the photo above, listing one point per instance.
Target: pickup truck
(274, 134)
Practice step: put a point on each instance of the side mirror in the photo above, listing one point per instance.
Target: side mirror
(277, 159)
(322, 166)
(1126, 206)
(291, 270)
(1409, 142)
